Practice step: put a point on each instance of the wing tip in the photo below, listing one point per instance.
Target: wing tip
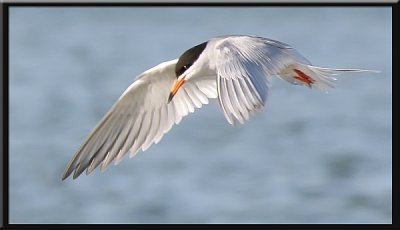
(67, 172)
(65, 176)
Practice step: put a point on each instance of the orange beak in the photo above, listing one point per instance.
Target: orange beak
(175, 87)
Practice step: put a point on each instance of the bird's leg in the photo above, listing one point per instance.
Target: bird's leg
(303, 77)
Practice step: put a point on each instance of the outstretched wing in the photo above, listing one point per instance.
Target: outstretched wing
(139, 118)
(245, 66)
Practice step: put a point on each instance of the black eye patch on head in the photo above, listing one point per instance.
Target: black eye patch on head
(188, 58)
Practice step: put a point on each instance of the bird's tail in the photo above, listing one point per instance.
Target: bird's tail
(313, 76)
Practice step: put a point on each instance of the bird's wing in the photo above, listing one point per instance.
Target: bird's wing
(245, 66)
(140, 117)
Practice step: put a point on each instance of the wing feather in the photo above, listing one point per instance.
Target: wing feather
(139, 118)
(163, 124)
(242, 98)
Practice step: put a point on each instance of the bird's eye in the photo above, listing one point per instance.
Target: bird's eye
(182, 69)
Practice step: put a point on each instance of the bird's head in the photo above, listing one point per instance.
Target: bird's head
(182, 67)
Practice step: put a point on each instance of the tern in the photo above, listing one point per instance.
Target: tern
(237, 70)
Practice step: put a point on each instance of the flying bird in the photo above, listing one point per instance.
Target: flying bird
(236, 70)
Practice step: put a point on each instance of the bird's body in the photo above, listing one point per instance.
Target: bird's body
(235, 69)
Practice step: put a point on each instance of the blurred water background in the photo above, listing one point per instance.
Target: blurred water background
(308, 157)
